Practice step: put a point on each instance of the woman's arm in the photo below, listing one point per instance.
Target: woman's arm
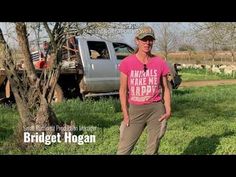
(167, 98)
(123, 97)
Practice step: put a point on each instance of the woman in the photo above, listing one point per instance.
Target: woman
(144, 95)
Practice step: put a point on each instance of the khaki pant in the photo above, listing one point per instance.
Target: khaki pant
(142, 116)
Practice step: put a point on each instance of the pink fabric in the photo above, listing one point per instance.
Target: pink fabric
(144, 87)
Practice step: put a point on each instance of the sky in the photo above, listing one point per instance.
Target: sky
(127, 37)
(10, 40)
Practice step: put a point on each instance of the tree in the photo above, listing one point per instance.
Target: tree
(36, 28)
(187, 42)
(167, 38)
(210, 35)
(100, 29)
(186, 47)
(33, 94)
(229, 38)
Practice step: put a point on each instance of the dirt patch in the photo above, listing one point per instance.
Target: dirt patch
(207, 83)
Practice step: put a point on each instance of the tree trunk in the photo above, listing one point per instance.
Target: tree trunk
(166, 54)
(33, 95)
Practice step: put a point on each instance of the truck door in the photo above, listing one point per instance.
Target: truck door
(101, 70)
(121, 50)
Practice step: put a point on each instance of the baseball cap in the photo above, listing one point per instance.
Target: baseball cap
(145, 31)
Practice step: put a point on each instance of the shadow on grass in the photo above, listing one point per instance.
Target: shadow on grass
(205, 145)
(98, 98)
(182, 92)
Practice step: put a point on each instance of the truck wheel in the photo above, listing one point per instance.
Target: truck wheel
(58, 96)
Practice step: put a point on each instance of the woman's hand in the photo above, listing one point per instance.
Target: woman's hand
(126, 120)
(165, 116)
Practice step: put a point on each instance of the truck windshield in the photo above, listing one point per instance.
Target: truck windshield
(122, 50)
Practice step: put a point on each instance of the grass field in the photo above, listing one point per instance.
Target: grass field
(202, 74)
(203, 122)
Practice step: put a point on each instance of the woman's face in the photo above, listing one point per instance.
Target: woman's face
(145, 44)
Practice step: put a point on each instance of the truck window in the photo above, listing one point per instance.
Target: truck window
(122, 50)
(98, 50)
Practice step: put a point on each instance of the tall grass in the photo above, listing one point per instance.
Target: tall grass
(203, 122)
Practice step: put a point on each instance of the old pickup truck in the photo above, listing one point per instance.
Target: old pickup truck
(94, 73)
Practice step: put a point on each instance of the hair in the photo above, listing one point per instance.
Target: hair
(136, 49)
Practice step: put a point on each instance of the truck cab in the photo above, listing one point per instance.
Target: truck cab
(100, 60)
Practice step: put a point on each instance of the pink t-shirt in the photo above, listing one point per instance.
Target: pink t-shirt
(144, 87)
